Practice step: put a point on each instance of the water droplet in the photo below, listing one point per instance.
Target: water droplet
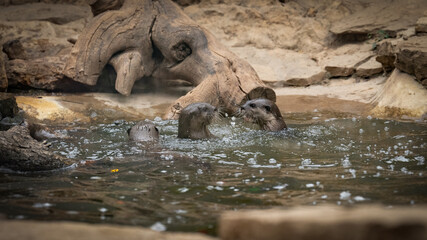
(158, 226)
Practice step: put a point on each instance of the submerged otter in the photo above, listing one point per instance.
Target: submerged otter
(264, 113)
(144, 131)
(194, 119)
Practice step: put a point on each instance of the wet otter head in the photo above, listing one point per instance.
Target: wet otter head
(143, 131)
(194, 119)
(264, 113)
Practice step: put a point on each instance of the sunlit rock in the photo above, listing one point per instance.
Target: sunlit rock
(400, 95)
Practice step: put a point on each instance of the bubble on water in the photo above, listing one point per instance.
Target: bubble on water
(309, 185)
(346, 162)
(183, 190)
(398, 159)
(158, 226)
(377, 175)
(406, 171)
(280, 187)
(361, 131)
(369, 117)
(359, 199)
(353, 119)
(324, 197)
(181, 211)
(210, 187)
(218, 188)
(353, 172)
(163, 171)
(345, 195)
(386, 129)
(95, 178)
(42, 205)
(272, 161)
(420, 159)
(199, 171)
(251, 161)
(315, 118)
(103, 210)
(380, 168)
(220, 183)
(157, 119)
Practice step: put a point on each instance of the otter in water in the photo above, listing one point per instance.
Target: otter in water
(264, 113)
(194, 119)
(144, 131)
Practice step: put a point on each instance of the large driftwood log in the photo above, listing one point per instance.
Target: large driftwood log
(21, 152)
(155, 38)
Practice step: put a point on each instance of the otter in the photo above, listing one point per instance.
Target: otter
(264, 113)
(194, 119)
(143, 131)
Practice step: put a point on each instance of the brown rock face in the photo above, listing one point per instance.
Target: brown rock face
(386, 55)
(412, 57)
(386, 17)
(325, 222)
(421, 25)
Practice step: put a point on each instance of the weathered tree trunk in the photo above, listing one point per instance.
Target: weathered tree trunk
(155, 38)
(21, 152)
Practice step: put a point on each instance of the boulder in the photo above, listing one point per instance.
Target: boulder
(21, 152)
(369, 68)
(381, 19)
(54, 13)
(412, 57)
(421, 25)
(325, 222)
(400, 95)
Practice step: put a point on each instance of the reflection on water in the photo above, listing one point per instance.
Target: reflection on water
(181, 184)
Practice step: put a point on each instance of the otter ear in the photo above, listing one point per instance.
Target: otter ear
(267, 108)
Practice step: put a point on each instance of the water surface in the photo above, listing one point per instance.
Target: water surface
(181, 184)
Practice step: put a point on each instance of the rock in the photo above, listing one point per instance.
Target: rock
(281, 67)
(34, 48)
(412, 57)
(400, 95)
(37, 230)
(344, 65)
(325, 222)
(386, 54)
(369, 68)
(3, 77)
(421, 25)
(8, 106)
(21, 152)
(42, 73)
(54, 13)
(382, 19)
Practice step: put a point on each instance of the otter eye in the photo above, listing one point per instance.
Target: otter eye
(267, 108)
(252, 105)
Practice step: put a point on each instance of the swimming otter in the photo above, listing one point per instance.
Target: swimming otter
(194, 119)
(143, 131)
(263, 112)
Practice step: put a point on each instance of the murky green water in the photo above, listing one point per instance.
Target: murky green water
(184, 184)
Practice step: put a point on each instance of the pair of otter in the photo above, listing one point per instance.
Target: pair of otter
(195, 118)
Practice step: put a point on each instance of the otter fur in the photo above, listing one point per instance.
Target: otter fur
(194, 119)
(264, 113)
